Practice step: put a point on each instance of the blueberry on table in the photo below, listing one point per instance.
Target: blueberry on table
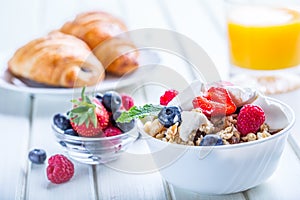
(168, 116)
(37, 156)
(71, 131)
(112, 101)
(126, 126)
(62, 121)
(211, 140)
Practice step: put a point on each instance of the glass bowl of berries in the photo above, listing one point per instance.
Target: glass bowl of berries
(90, 133)
(217, 138)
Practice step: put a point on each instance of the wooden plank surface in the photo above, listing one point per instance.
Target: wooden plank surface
(178, 193)
(38, 186)
(125, 178)
(285, 181)
(14, 126)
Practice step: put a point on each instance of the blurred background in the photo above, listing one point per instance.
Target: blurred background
(22, 21)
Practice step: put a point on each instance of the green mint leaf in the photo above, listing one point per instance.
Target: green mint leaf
(137, 112)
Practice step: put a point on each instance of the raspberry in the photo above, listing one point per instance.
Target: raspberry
(250, 118)
(60, 169)
(167, 97)
(127, 101)
(112, 131)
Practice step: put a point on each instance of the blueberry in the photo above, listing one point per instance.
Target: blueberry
(71, 131)
(125, 127)
(99, 96)
(37, 156)
(112, 101)
(62, 143)
(211, 140)
(62, 121)
(169, 116)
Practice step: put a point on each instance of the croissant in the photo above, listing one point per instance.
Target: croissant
(58, 60)
(99, 30)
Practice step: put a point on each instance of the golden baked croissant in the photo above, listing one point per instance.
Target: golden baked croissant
(58, 60)
(97, 27)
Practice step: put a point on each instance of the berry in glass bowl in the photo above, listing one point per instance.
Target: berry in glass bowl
(89, 132)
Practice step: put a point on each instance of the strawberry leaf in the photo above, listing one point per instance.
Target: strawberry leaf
(82, 94)
(93, 119)
(88, 100)
(84, 111)
(76, 120)
(80, 109)
(83, 119)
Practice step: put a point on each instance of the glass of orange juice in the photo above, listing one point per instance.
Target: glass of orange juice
(264, 43)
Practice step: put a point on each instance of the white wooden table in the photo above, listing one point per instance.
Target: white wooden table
(25, 119)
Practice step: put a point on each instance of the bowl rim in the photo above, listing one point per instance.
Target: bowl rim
(285, 130)
(93, 139)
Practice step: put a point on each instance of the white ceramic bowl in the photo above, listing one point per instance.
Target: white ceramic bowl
(228, 168)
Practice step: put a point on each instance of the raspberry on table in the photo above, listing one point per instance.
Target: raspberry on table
(60, 169)
(168, 96)
(250, 118)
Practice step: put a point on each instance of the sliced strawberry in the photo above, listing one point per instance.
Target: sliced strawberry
(221, 95)
(167, 97)
(208, 107)
(216, 101)
(88, 118)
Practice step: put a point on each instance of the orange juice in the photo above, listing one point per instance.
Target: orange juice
(264, 38)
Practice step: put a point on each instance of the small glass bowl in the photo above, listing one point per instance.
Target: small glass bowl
(98, 150)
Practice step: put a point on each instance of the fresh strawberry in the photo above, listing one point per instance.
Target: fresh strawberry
(168, 96)
(215, 102)
(250, 118)
(88, 117)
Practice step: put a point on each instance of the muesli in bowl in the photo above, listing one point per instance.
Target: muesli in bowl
(217, 140)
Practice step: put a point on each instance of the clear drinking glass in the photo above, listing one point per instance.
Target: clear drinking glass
(264, 44)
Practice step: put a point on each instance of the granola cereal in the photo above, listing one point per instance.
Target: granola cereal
(214, 116)
(225, 127)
